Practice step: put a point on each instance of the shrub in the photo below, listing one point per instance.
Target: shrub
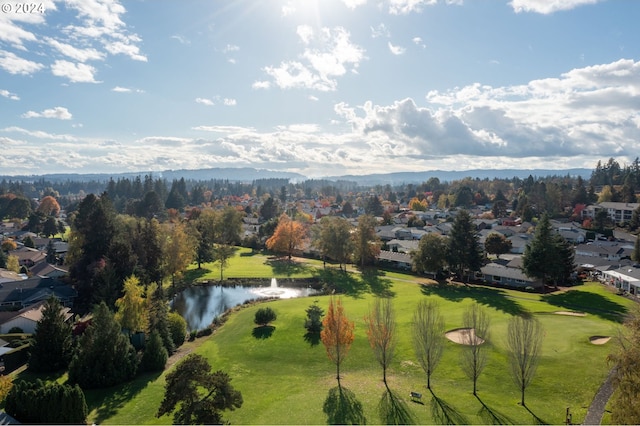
(52, 403)
(16, 330)
(177, 328)
(264, 316)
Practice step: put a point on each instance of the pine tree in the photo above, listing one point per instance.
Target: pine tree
(464, 254)
(53, 344)
(104, 356)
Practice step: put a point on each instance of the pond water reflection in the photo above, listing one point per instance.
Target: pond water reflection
(200, 305)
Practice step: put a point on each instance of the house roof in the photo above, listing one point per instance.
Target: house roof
(506, 272)
(34, 289)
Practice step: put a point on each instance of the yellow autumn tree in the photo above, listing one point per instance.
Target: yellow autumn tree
(288, 236)
(132, 307)
(337, 334)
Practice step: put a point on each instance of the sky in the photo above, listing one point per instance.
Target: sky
(317, 87)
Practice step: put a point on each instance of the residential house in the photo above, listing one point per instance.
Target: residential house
(395, 260)
(28, 257)
(402, 246)
(27, 318)
(502, 275)
(23, 293)
(610, 250)
(626, 278)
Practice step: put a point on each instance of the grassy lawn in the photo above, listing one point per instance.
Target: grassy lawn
(285, 379)
(247, 264)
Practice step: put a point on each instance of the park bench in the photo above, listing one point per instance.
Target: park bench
(415, 396)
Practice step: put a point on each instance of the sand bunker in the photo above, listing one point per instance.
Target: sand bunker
(573, 314)
(464, 336)
(599, 340)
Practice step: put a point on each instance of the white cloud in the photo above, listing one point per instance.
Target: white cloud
(546, 7)
(120, 89)
(418, 42)
(229, 102)
(224, 129)
(204, 101)
(9, 95)
(125, 48)
(380, 31)
(352, 4)
(403, 7)
(321, 64)
(80, 55)
(230, 48)
(75, 72)
(40, 134)
(305, 32)
(14, 64)
(181, 39)
(396, 50)
(261, 85)
(61, 113)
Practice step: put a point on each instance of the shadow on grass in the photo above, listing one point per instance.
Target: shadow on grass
(194, 275)
(342, 282)
(536, 420)
(393, 410)
(282, 266)
(492, 297)
(312, 338)
(591, 303)
(343, 408)
(444, 414)
(375, 279)
(107, 402)
(263, 332)
(490, 416)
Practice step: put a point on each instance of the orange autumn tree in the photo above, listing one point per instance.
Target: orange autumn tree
(288, 236)
(337, 334)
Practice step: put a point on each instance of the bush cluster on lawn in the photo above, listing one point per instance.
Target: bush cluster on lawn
(53, 403)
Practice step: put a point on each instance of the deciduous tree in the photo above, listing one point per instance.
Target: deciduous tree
(337, 334)
(625, 405)
(178, 250)
(131, 308)
(476, 322)
(381, 332)
(428, 336)
(366, 241)
(430, 255)
(200, 395)
(524, 341)
(497, 244)
(332, 237)
(48, 206)
(287, 237)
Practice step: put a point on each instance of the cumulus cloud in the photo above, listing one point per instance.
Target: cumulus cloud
(546, 7)
(75, 72)
(229, 102)
(9, 95)
(204, 101)
(331, 56)
(14, 64)
(93, 30)
(396, 50)
(60, 113)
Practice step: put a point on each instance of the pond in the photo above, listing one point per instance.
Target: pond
(200, 305)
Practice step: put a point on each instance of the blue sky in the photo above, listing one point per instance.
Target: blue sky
(318, 87)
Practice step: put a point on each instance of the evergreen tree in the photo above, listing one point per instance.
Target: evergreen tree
(155, 356)
(159, 317)
(104, 356)
(464, 254)
(52, 346)
(48, 403)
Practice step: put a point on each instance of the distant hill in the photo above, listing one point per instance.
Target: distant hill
(449, 176)
(248, 174)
